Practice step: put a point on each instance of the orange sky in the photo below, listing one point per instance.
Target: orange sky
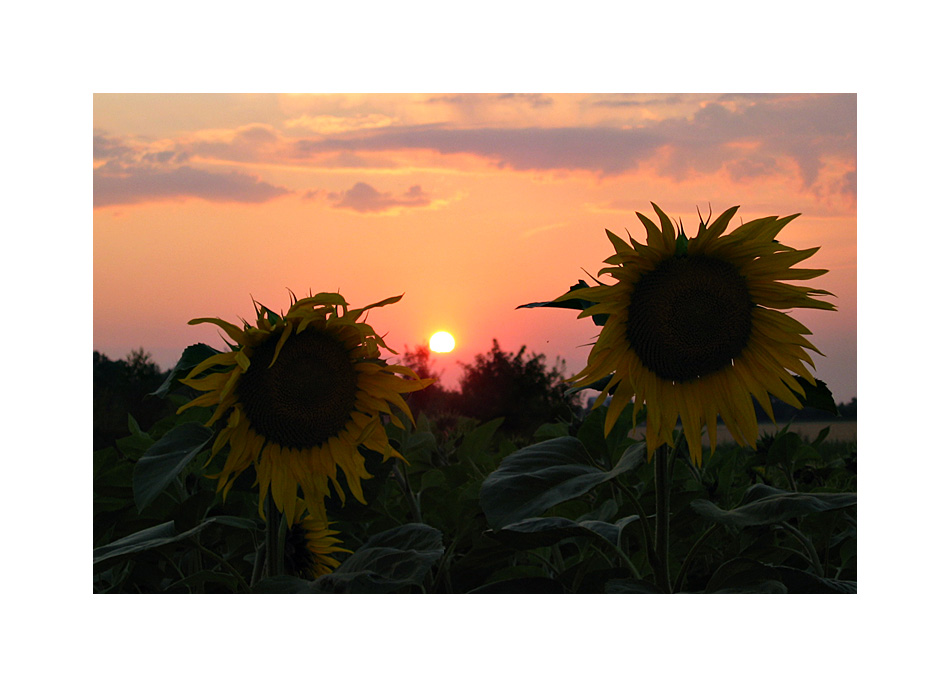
(468, 204)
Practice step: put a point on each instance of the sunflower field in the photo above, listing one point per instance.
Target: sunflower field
(294, 463)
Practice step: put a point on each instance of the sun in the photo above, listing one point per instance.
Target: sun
(441, 342)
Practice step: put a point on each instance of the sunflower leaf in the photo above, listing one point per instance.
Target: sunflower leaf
(682, 245)
(190, 357)
(390, 561)
(159, 535)
(747, 576)
(534, 532)
(533, 479)
(165, 459)
(818, 397)
(571, 303)
(773, 507)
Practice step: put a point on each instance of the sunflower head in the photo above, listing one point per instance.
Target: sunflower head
(310, 545)
(695, 327)
(301, 392)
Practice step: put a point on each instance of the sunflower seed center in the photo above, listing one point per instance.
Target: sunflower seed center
(299, 560)
(306, 397)
(689, 317)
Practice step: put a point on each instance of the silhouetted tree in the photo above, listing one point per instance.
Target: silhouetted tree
(520, 388)
(121, 388)
(438, 403)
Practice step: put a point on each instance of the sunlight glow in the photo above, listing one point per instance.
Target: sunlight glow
(441, 342)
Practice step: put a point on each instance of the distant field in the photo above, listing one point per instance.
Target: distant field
(846, 430)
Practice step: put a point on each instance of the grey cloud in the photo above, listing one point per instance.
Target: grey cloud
(107, 148)
(609, 151)
(364, 198)
(351, 160)
(147, 184)
(803, 127)
(751, 167)
(622, 102)
(131, 174)
(533, 99)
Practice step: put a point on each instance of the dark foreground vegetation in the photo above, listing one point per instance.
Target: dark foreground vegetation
(510, 487)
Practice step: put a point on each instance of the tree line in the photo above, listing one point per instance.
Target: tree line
(520, 387)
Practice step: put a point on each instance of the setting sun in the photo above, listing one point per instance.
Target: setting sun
(441, 342)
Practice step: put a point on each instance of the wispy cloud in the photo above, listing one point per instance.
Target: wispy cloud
(143, 184)
(363, 198)
(336, 124)
(608, 151)
(807, 141)
(130, 173)
(743, 136)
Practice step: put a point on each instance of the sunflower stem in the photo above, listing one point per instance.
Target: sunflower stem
(809, 547)
(223, 561)
(644, 527)
(662, 484)
(411, 497)
(681, 576)
(258, 565)
(275, 539)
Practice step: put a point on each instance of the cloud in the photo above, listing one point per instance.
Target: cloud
(746, 136)
(333, 124)
(144, 184)
(634, 101)
(806, 140)
(609, 151)
(364, 198)
(132, 173)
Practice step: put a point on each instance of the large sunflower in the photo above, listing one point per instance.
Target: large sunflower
(694, 326)
(302, 393)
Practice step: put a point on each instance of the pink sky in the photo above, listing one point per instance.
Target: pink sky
(470, 205)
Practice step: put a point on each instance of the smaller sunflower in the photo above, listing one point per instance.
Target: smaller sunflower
(302, 393)
(310, 545)
(694, 326)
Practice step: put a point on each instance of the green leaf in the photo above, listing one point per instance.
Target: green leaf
(747, 576)
(682, 245)
(432, 478)
(571, 304)
(419, 448)
(609, 449)
(390, 561)
(535, 478)
(205, 576)
(137, 443)
(522, 585)
(772, 505)
(804, 582)
(160, 535)
(618, 586)
(551, 430)
(818, 397)
(783, 448)
(535, 532)
(190, 357)
(283, 584)
(476, 442)
(165, 459)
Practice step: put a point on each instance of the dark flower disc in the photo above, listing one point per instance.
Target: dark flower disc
(306, 397)
(689, 317)
(299, 560)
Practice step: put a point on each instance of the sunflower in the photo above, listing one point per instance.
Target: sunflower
(309, 545)
(302, 392)
(695, 325)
